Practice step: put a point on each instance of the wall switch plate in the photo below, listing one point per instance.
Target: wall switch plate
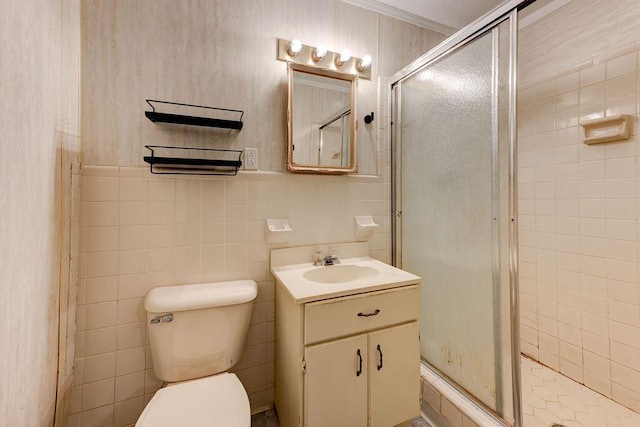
(251, 159)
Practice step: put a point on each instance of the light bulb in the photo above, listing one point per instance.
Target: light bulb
(365, 63)
(319, 53)
(345, 55)
(294, 47)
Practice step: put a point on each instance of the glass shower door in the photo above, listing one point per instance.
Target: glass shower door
(452, 150)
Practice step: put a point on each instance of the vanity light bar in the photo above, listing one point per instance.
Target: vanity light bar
(319, 57)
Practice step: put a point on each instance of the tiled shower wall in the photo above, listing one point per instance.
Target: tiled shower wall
(139, 231)
(578, 230)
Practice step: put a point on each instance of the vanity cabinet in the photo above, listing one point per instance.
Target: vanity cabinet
(348, 361)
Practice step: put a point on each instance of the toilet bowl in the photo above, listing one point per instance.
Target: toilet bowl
(219, 400)
(196, 333)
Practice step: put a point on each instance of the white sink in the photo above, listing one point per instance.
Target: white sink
(357, 272)
(339, 273)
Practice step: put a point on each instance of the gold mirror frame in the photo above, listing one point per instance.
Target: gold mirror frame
(353, 122)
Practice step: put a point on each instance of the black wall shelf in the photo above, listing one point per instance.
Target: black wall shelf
(192, 161)
(173, 118)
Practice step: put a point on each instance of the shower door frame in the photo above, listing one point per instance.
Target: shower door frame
(508, 10)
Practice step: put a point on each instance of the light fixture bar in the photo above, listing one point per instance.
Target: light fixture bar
(320, 57)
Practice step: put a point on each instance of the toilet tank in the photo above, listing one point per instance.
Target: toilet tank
(198, 330)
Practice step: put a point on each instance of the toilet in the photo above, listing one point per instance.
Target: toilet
(196, 333)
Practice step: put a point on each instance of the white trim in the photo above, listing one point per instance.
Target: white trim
(402, 15)
(542, 12)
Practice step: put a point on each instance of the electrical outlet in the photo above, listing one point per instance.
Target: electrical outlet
(251, 159)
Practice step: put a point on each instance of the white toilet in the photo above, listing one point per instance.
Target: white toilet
(196, 333)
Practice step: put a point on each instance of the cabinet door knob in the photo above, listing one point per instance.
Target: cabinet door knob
(379, 351)
(359, 371)
(373, 313)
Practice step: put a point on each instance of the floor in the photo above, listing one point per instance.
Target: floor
(549, 398)
(269, 418)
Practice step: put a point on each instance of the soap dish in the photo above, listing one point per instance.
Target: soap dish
(277, 230)
(606, 129)
(365, 227)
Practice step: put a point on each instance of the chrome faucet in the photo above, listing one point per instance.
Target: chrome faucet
(321, 259)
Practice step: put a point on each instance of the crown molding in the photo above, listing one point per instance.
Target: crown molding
(401, 15)
(545, 10)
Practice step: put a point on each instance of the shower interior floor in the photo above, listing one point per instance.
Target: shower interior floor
(549, 397)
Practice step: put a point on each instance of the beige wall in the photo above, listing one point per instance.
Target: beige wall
(219, 54)
(39, 142)
(139, 231)
(579, 204)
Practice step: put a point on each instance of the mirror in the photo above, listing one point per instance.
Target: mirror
(321, 120)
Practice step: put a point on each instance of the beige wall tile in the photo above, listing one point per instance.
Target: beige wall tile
(99, 341)
(101, 289)
(451, 412)
(130, 360)
(133, 213)
(133, 189)
(99, 214)
(431, 395)
(131, 336)
(131, 311)
(98, 417)
(626, 396)
(625, 355)
(162, 212)
(621, 86)
(161, 236)
(133, 237)
(162, 190)
(133, 285)
(127, 412)
(100, 189)
(97, 394)
(135, 261)
(622, 65)
(99, 367)
(129, 386)
(98, 170)
(151, 383)
(101, 315)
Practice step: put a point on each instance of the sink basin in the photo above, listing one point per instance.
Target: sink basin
(357, 273)
(339, 273)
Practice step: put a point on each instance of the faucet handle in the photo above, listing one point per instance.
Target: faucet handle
(318, 258)
(333, 257)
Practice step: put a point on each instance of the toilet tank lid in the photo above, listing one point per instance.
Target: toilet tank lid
(203, 295)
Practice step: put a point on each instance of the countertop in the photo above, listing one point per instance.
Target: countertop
(303, 290)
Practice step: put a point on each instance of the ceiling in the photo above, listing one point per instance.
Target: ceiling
(451, 13)
(448, 16)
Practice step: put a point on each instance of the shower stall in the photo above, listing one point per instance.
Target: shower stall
(456, 215)
(454, 187)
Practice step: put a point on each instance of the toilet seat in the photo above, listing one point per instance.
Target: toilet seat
(219, 400)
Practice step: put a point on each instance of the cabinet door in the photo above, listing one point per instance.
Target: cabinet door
(394, 375)
(335, 383)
